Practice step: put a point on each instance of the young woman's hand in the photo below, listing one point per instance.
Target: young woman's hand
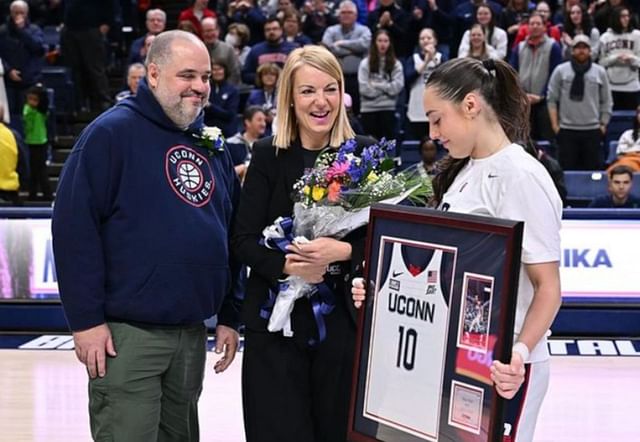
(358, 291)
(508, 377)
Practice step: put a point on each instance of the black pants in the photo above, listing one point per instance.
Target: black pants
(295, 393)
(39, 179)
(580, 149)
(351, 87)
(625, 100)
(540, 122)
(85, 53)
(379, 124)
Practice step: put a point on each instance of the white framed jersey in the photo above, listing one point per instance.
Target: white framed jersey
(408, 340)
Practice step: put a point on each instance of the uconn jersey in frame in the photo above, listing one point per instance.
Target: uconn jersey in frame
(408, 341)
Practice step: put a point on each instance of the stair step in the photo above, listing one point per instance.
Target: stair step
(54, 169)
(60, 155)
(65, 141)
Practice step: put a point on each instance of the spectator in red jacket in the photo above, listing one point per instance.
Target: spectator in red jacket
(195, 14)
(553, 31)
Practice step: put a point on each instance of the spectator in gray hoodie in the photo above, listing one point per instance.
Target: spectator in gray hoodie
(580, 88)
(380, 81)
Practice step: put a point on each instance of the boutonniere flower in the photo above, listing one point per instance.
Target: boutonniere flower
(211, 139)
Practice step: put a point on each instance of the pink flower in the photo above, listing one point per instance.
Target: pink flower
(337, 170)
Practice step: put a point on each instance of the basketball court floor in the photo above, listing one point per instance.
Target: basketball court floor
(591, 398)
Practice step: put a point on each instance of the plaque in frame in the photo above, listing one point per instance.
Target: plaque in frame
(440, 307)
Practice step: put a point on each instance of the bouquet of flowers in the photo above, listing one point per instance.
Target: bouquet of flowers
(333, 199)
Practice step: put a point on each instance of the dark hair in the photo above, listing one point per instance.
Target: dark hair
(43, 97)
(621, 170)
(250, 111)
(586, 24)
(498, 85)
(615, 25)
(272, 19)
(223, 65)
(424, 140)
(374, 57)
(488, 32)
(535, 13)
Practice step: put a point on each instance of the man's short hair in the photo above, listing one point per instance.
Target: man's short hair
(250, 111)
(621, 170)
(157, 11)
(21, 3)
(160, 50)
(271, 19)
(133, 66)
(348, 4)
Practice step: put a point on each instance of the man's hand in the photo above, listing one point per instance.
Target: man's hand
(385, 19)
(20, 21)
(104, 29)
(15, 75)
(226, 341)
(92, 346)
(534, 99)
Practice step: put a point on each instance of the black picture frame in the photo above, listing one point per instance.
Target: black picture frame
(444, 309)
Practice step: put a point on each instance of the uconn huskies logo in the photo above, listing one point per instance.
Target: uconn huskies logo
(189, 175)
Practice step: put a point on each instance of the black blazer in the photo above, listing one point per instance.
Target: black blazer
(266, 195)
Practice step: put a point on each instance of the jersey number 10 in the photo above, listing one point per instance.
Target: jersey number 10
(406, 348)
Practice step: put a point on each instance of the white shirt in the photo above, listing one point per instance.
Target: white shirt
(511, 184)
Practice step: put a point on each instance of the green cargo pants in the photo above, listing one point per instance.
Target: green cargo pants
(151, 389)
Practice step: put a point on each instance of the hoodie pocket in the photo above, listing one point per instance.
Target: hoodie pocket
(179, 293)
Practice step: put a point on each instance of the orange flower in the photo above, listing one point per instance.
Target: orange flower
(334, 192)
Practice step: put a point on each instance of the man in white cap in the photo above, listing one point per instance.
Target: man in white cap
(581, 90)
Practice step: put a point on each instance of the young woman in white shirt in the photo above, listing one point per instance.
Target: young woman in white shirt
(479, 112)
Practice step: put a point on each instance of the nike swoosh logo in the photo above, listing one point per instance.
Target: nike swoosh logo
(396, 274)
(493, 176)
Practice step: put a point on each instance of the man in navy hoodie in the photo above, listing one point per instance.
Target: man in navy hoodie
(140, 234)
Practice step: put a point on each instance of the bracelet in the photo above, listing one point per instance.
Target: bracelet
(522, 349)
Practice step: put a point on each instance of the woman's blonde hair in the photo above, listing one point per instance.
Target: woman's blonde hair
(287, 126)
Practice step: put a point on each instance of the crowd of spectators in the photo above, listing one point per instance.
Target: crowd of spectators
(578, 61)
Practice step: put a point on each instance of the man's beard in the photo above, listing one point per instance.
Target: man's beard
(181, 113)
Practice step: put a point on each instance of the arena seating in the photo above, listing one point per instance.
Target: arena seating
(620, 121)
(584, 185)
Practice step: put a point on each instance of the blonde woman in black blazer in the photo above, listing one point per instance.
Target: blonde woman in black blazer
(293, 390)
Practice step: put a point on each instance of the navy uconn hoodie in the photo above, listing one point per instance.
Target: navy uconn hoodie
(140, 222)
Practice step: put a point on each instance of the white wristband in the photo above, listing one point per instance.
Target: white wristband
(522, 349)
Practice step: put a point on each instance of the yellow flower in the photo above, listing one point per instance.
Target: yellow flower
(306, 190)
(372, 177)
(317, 193)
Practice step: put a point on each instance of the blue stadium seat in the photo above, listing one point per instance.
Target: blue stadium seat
(584, 185)
(58, 78)
(611, 156)
(544, 145)
(51, 37)
(620, 121)
(51, 121)
(409, 153)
